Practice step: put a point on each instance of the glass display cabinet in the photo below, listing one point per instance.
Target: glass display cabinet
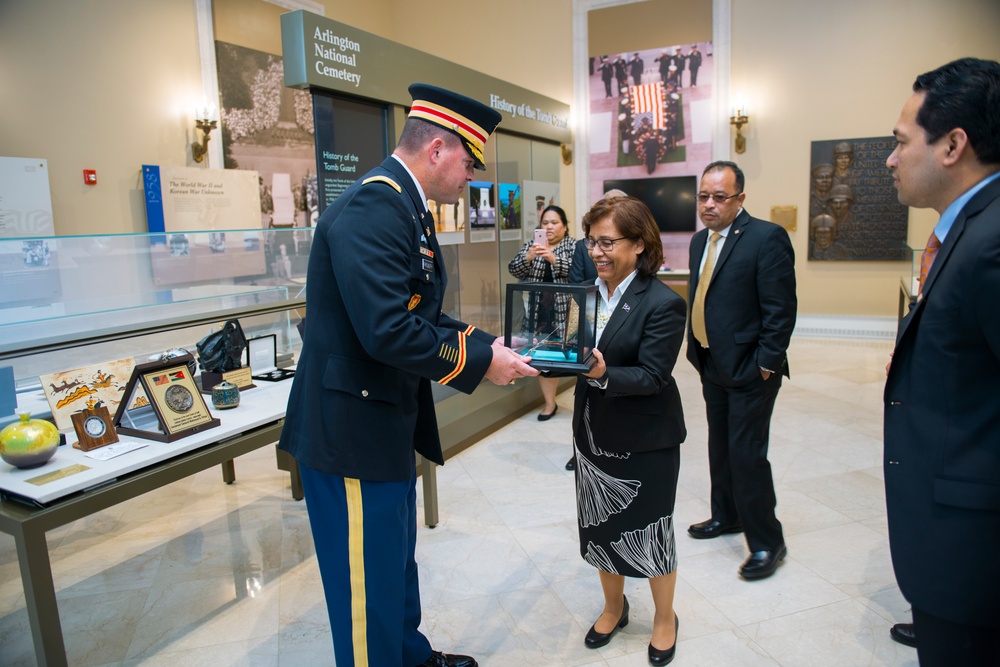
(71, 302)
(909, 281)
(553, 323)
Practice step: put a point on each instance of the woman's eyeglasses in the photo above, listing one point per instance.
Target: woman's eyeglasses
(607, 245)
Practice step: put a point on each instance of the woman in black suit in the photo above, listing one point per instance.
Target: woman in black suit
(628, 423)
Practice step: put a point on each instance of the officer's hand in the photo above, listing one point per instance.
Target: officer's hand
(507, 366)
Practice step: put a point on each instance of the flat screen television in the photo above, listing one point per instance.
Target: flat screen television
(670, 199)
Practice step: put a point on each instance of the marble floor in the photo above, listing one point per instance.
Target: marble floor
(200, 573)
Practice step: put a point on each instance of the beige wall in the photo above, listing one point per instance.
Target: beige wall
(102, 84)
(815, 71)
(651, 24)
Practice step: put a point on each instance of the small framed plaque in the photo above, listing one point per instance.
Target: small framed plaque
(175, 407)
(553, 323)
(94, 428)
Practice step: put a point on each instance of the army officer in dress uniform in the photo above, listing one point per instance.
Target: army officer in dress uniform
(361, 403)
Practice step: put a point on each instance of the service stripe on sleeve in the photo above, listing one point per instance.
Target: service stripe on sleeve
(356, 560)
(459, 364)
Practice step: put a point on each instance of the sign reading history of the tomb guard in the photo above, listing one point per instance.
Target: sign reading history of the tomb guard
(853, 210)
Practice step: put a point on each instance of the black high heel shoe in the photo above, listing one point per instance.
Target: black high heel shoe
(664, 657)
(595, 639)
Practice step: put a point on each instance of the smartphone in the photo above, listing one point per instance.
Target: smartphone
(541, 238)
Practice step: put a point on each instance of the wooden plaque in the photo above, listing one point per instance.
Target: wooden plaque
(176, 408)
(94, 428)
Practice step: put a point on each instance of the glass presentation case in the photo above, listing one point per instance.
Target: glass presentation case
(553, 323)
(69, 302)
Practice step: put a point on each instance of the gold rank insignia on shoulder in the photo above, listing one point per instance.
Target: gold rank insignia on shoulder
(383, 179)
(414, 300)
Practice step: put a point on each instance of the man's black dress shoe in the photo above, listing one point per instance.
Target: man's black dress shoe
(762, 564)
(712, 528)
(595, 639)
(664, 657)
(904, 634)
(439, 659)
(571, 464)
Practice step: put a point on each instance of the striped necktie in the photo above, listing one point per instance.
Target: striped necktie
(927, 259)
(698, 310)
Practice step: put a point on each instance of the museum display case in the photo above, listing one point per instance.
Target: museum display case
(109, 303)
(909, 281)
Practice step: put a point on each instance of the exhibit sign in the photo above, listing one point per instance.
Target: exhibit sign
(192, 199)
(183, 200)
(325, 54)
(25, 201)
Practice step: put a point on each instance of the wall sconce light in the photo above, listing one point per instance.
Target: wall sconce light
(740, 117)
(567, 154)
(203, 121)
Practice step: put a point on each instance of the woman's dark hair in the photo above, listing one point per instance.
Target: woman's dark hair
(633, 220)
(561, 213)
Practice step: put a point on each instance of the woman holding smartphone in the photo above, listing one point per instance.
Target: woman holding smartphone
(549, 262)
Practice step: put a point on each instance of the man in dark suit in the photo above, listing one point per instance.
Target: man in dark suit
(635, 68)
(607, 73)
(743, 305)
(942, 401)
(361, 403)
(694, 63)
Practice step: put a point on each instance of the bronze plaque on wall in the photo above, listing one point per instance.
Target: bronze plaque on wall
(853, 210)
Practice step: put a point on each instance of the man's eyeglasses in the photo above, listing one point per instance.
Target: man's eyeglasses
(703, 197)
(607, 245)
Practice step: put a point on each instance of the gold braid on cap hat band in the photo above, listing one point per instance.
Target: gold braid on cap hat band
(439, 115)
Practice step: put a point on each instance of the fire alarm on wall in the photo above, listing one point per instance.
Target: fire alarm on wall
(90, 176)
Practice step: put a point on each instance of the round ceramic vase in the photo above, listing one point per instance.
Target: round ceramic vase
(28, 443)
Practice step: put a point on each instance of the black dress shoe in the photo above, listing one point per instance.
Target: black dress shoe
(708, 529)
(762, 564)
(664, 657)
(439, 659)
(571, 464)
(545, 418)
(595, 639)
(904, 634)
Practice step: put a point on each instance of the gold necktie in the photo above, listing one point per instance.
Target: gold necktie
(698, 309)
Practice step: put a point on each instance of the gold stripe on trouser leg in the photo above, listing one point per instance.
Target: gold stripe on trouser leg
(356, 558)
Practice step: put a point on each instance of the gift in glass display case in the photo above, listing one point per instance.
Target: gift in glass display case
(553, 323)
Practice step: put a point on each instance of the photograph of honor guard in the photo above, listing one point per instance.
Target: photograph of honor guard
(361, 405)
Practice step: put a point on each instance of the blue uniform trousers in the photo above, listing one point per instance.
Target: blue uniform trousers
(365, 535)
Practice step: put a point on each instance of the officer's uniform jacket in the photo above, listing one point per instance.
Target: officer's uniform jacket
(375, 337)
